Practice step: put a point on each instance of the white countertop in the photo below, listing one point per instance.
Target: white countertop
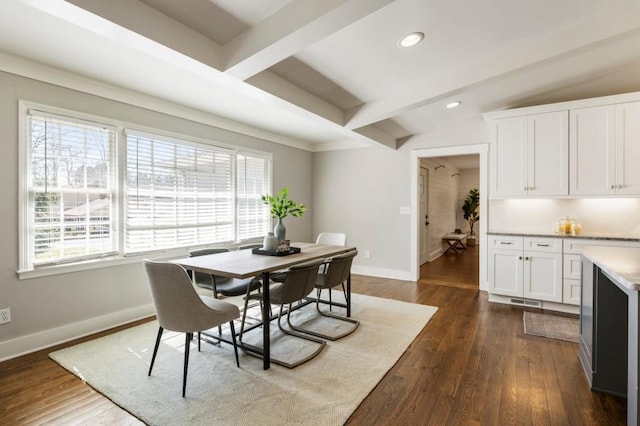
(621, 263)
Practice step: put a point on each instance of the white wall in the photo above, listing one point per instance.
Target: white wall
(51, 309)
(617, 216)
(360, 192)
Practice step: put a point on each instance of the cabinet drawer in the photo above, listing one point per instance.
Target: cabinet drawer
(575, 245)
(504, 242)
(543, 244)
(571, 292)
(572, 266)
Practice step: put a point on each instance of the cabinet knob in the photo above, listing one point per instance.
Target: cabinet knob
(613, 187)
(526, 258)
(520, 257)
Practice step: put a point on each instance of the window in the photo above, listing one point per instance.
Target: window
(173, 192)
(177, 194)
(71, 189)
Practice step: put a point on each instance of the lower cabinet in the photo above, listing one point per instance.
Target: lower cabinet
(526, 267)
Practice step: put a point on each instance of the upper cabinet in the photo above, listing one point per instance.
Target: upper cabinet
(530, 155)
(605, 150)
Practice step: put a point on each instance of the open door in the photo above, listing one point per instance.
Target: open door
(424, 215)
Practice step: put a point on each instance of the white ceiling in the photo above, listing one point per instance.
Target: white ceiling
(329, 74)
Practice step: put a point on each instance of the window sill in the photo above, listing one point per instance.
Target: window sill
(86, 265)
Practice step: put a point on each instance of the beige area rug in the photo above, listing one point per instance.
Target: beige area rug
(324, 391)
(552, 326)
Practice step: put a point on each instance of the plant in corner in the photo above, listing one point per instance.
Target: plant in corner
(281, 206)
(470, 209)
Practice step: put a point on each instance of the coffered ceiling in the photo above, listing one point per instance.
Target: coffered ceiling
(330, 74)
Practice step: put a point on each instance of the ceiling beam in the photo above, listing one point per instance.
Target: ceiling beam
(157, 30)
(294, 27)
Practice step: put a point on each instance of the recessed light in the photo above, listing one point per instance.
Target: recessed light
(452, 105)
(411, 39)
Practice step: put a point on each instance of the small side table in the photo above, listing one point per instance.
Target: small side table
(455, 241)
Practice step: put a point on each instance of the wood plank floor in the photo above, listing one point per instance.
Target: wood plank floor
(472, 364)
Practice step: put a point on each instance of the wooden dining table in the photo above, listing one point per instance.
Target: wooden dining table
(245, 264)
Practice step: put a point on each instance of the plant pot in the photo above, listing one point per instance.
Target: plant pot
(471, 240)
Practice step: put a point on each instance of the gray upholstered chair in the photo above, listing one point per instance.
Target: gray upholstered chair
(179, 308)
(300, 282)
(223, 285)
(334, 275)
(324, 238)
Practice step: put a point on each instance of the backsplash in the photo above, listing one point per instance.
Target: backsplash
(616, 216)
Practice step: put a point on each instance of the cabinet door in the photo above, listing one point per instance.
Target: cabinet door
(508, 177)
(628, 148)
(571, 292)
(505, 272)
(592, 151)
(543, 276)
(548, 154)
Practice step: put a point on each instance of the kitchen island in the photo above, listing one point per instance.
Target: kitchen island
(609, 322)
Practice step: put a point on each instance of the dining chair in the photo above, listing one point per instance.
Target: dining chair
(300, 282)
(179, 308)
(324, 238)
(332, 239)
(336, 274)
(222, 285)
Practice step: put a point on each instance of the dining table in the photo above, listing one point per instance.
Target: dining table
(246, 264)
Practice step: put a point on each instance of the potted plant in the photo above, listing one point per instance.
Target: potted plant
(280, 207)
(471, 215)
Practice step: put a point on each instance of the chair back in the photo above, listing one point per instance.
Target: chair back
(338, 269)
(300, 282)
(332, 239)
(201, 277)
(177, 304)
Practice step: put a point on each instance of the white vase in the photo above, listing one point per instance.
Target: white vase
(270, 242)
(280, 231)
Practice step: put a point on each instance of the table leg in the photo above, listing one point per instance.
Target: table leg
(266, 321)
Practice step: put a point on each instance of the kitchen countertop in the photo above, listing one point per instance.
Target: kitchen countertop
(585, 236)
(620, 263)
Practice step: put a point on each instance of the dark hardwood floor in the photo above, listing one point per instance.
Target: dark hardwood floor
(472, 364)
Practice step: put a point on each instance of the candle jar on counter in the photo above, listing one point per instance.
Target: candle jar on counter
(560, 227)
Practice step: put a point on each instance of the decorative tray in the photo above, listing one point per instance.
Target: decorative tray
(292, 250)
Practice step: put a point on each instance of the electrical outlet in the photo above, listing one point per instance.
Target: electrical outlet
(5, 315)
(367, 254)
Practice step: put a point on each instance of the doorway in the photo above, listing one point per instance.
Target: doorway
(417, 219)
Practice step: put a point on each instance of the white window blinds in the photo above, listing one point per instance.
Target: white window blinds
(71, 189)
(253, 180)
(177, 194)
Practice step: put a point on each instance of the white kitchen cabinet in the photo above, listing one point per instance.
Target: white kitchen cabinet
(527, 267)
(604, 150)
(530, 155)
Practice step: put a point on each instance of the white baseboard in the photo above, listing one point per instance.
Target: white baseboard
(44, 339)
(394, 274)
(552, 306)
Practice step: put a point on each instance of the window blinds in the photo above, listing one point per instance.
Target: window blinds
(253, 180)
(71, 189)
(177, 194)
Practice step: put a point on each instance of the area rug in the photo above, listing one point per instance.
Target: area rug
(552, 326)
(324, 391)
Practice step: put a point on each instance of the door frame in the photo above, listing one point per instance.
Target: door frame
(425, 185)
(416, 155)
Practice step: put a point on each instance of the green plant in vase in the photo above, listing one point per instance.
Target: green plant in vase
(470, 209)
(280, 207)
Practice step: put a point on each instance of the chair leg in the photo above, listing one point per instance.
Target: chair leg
(155, 349)
(187, 343)
(235, 345)
(199, 341)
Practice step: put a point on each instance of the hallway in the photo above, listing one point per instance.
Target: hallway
(453, 270)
